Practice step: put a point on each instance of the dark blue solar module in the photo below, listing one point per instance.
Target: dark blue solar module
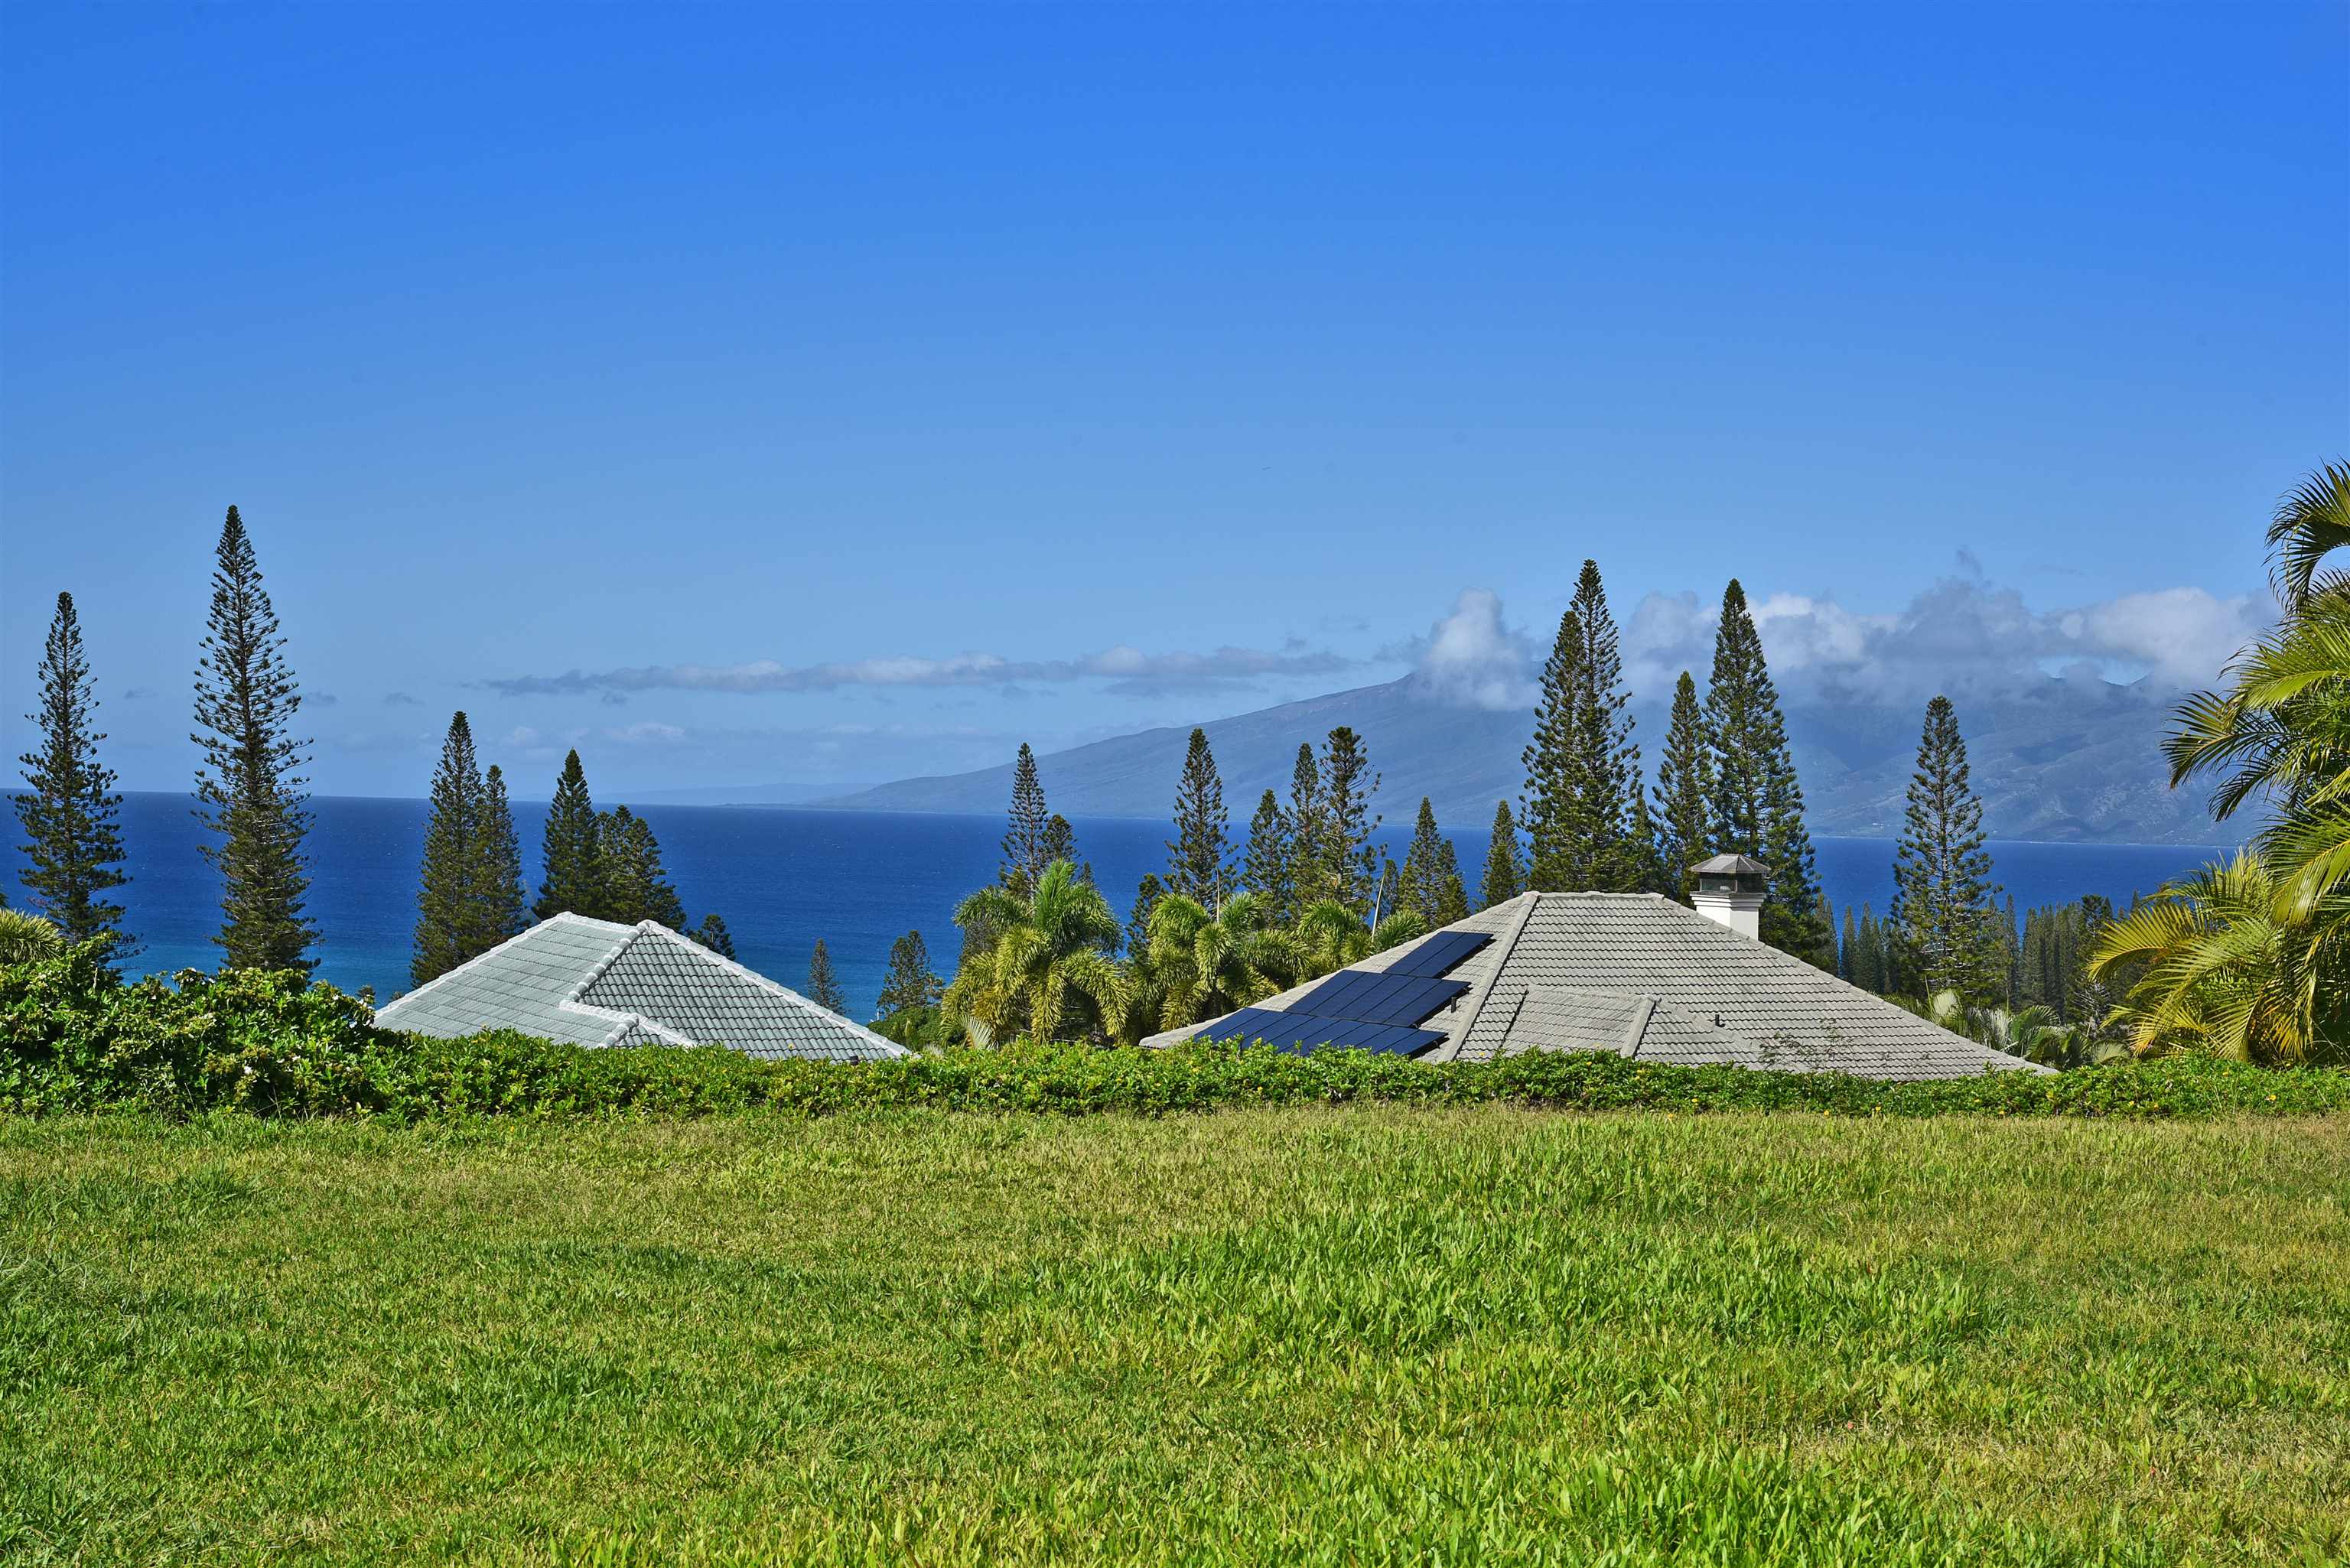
(1362, 1010)
(1438, 955)
(1299, 1032)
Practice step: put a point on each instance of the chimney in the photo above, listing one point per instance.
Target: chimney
(1730, 890)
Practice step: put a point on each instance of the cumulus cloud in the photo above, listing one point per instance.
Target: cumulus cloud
(1127, 671)
(1962, 635)
(400, 700)
(1472, 658)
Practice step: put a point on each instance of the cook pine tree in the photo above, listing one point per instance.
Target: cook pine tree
(571, 879)
(1757, 803)
(1684, 785)
(1266, 869)
(1504, 870)
(824, 986)
(1309, 832)
(1432, 886)
(68, 807)
(1200, 855)
(910, 981)
(250, 791)
(461, 909)
(1944, 916)
(635, 885)
(1349, 862)
(1026, 847)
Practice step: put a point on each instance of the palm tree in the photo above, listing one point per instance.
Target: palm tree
(1048, 946)
(2233, 966)
(2247, 959)
(26, 938)
(1330, 935)
(1207, 965)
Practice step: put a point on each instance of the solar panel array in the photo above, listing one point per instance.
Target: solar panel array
(1363, 1009)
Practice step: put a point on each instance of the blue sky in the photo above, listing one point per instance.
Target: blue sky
(788, 393)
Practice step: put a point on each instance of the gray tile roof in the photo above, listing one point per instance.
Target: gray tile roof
(1646, 977)
(595, 982)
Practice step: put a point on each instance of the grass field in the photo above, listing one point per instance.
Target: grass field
(1353, 1335)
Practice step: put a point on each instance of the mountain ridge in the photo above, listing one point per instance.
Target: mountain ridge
(2069, 762)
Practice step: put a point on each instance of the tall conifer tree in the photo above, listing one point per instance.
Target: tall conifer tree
(1944, 916)
(1199, 856)
(910, 980)
(1757, 805)
(1147, 894)
(249, 788)
(1430, 871)
(1504, 873)
(1061, 844)
(73, 843)
(636, 885)
(1268, 867)
(1848, 951)
(1547, 809)
(453, 891)
(499, 901)
(571, 878)
(1350, 860)
(713, 934)
(1684, 787)
(1604, 855)
(824, 986)
(1025, 852)
(1309, 832)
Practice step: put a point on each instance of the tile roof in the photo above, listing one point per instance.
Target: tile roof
(596, 982)
(1646, 977)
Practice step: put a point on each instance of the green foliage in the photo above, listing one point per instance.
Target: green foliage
(1504, 876)
(1944, 917)
(1204, 965)
(1347, 861)
(1025, 849)
(249, 790)
(628, 871)
(1309, 833)
(1046, 964)
(74, 1037)
(572, 857)
(469, 896)
(1684, 791)
(26, 938)
(823, 984)
(1430, 884)
(713, 934)
(1199, 856)
(1270, 867)
(1757, 803)
(910, 983)
(73, 842)
(2253, 959)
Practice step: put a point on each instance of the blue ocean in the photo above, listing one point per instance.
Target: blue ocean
(783, 877)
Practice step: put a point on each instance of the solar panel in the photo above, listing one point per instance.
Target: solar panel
(1438, 954)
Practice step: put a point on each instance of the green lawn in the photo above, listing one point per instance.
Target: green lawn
(1351, 1335)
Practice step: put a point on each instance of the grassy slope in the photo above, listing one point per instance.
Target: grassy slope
(1307, 1335)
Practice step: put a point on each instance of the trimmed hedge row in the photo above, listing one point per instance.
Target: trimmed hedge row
(73, 1039)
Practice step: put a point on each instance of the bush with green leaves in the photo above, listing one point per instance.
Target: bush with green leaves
(73, 1038)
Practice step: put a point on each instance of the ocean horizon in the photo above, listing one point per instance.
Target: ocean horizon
(783, 877)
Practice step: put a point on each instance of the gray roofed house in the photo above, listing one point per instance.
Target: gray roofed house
(1644, 977)
(597, 982)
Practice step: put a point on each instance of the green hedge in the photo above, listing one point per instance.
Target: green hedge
(73, 1039)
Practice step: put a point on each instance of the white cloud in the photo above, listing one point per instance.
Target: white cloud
(1129, 670)
(1472, 658)
(1961, 635)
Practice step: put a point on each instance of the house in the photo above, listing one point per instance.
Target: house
(1634, 973)
(597, 982)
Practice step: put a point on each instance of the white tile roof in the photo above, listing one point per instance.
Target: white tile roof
(596, 982)
(1644, 976)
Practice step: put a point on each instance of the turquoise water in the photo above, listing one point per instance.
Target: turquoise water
(783, 879)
